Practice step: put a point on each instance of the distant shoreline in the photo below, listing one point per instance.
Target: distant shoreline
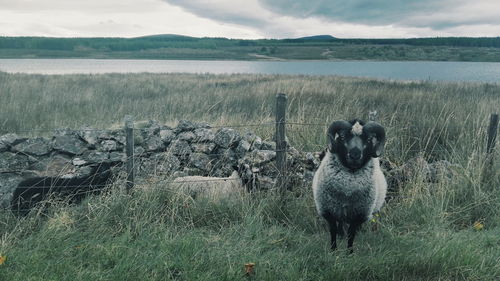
(190, 48)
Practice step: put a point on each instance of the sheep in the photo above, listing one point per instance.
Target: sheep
(34, 190)
(349, 186)
(213, 188)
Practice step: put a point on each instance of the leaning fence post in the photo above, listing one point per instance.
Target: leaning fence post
(129, 150)
(280, 140)
(492, 136)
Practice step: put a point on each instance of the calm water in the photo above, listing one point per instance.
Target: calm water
(447, 71)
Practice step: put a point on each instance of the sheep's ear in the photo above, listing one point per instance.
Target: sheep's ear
(377, 146)
(331, 142)
(376, 133)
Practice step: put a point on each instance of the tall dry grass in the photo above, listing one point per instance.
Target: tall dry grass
(426, 233)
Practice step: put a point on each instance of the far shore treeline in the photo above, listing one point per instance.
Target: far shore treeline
(312, 48)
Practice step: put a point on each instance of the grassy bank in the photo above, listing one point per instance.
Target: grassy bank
(426, 233)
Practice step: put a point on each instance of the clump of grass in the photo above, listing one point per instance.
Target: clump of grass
(428, 232)
(157, 233)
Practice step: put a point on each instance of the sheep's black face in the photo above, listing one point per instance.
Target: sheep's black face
(352, 149)
(354, 143)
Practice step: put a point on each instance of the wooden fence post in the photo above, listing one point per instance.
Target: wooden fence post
(492, 136)
(129, 150)
(280, 140)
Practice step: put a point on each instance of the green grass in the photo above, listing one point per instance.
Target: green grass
(426, 233)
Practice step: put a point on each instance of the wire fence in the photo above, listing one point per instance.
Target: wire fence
(281, 148)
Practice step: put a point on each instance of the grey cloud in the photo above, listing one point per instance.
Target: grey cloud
(222, 12)
(414, 13)
(432, 14)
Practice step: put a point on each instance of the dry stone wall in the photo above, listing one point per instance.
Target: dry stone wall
(160, 151)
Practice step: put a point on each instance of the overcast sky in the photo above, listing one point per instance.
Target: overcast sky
(250, 18)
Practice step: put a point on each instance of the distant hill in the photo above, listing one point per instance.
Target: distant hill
(165, 36)
(318, 37)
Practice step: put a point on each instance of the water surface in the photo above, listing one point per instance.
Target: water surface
(421, 70)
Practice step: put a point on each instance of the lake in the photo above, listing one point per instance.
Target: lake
(401, 70)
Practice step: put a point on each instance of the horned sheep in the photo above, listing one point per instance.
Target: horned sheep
(349, 186)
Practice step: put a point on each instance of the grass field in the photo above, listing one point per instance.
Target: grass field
(427, 233)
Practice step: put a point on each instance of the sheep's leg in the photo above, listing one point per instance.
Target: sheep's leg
(340, 229)
(332, 223)
(351, 233)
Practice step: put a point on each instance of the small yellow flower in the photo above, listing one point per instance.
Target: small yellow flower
(478, 225)
(2, 259)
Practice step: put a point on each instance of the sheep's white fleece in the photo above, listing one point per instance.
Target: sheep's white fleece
(346, 194)
(213, 188)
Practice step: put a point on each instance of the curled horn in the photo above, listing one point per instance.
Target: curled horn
(334, 128)
(374, 129)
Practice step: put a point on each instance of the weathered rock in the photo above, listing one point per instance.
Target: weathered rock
(79, 162)
(163, 164)
(180, 148)
(441, 169)
(9, 140)
(71, 144)
(167, 135)
(254, 140)
(415, 167)
(222, 170)
(89, 135)
(118, 136)
(153, 143)
(36, 146)
(200, 161)
(224, 155)
(312, 161)
(13, 162)
(268, 145)
(107, 145)
(3, 147)
(186, 136)
(96, 156)
(78, 172)
(259, 157)
(153, 127)
(206, 148)
(139, 151)
(308, 176)
(116, 156)
(227, 138)
(8, 183)
(243, 147)
(55, 166)
(185, 125)
(204, 135)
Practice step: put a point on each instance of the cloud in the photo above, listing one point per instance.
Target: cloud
(250, 19)
(410, 13)
(396, 17)
(248, 12)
